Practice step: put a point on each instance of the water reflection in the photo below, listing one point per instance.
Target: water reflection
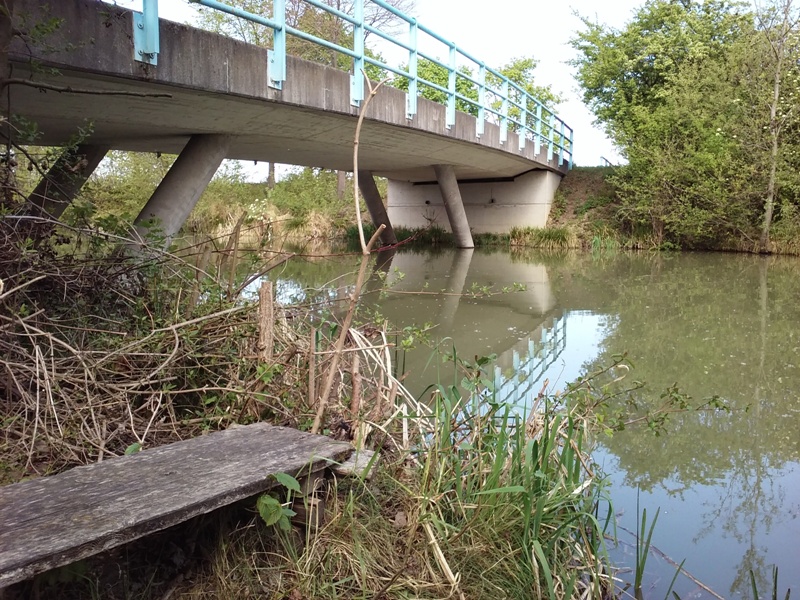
(462, 293)
(728, 485)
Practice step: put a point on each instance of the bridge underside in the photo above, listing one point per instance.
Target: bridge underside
(209, 84)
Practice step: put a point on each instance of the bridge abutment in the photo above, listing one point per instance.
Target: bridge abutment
(374, 202)
(182, 186)
(491, 205)
(64, 180)
(454, 205)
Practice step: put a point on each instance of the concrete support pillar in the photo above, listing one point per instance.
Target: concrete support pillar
(374, 202)
(181, 188)
(453, 205)
(65, 179)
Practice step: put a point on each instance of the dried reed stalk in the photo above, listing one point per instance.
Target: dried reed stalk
(266, 322)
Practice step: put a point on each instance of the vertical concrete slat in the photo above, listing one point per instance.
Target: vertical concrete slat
(374, 202)
(453, 205)
(64, 180)
(182, 186)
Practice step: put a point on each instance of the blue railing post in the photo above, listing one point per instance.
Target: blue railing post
(561, 143)
(357, 78)
(277, 56)
(504, 113)
(481, 121)
(145, 33)
(451, 88)
(551, 135)
(523, 118)
(413, 63)
(538, 143)
(571, 134)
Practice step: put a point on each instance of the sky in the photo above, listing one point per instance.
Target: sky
(501, 30)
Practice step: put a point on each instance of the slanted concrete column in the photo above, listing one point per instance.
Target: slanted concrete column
(374, 202)
(451, 195)
(184, 183)
(65, 179)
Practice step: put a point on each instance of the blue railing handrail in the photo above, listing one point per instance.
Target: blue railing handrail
(497, 96)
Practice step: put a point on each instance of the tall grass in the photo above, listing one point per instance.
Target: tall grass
(488, 502)
(547, 238)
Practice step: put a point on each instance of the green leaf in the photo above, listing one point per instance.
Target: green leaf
(133, 448)
(287, 481)
(511, 489)
(270, 509)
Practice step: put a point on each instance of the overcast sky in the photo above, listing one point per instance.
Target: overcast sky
(501, 30)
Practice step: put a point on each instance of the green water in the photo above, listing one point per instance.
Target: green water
(727, 485)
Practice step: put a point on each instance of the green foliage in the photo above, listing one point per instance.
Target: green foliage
(270, 508)
(431, 72)
(685, 91)
(519, 71)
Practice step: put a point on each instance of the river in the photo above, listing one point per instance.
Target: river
(727, 484)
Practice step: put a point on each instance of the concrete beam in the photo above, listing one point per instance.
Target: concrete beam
(64, 180)
(377, 211)
(446, 176)
(181, 188)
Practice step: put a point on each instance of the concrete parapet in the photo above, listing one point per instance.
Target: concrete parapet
(491, 206)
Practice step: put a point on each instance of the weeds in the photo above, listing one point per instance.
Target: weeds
(548, 238)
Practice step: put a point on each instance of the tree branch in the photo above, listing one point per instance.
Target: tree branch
(71, 90)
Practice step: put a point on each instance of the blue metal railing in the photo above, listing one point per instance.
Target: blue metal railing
(528, 370)
(497, 100)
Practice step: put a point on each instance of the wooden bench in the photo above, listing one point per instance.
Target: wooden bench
(53, 521)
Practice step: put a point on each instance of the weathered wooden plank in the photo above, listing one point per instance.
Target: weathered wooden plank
(53, 521)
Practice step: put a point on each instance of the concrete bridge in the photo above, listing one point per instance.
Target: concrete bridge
(133, 82)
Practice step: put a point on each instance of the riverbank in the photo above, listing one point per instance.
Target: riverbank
(129, 356)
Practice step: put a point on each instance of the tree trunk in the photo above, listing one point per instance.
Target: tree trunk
(7, 171)
(774, 132)
(271, 176)
(779, 48)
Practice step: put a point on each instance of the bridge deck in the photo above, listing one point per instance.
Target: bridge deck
(214, 84)
(53, 521)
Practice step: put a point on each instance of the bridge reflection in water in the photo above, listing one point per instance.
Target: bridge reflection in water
(478, 304)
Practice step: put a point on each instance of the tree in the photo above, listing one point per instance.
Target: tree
(778, 22)
(435, 73)
(623, 71)
(518, 70)
(303, 16)
(700, 97)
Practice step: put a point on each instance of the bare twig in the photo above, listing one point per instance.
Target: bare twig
(71, 90)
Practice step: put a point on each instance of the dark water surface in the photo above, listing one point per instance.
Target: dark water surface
(727, 485)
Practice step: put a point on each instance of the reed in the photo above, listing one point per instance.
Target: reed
(547, 238)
